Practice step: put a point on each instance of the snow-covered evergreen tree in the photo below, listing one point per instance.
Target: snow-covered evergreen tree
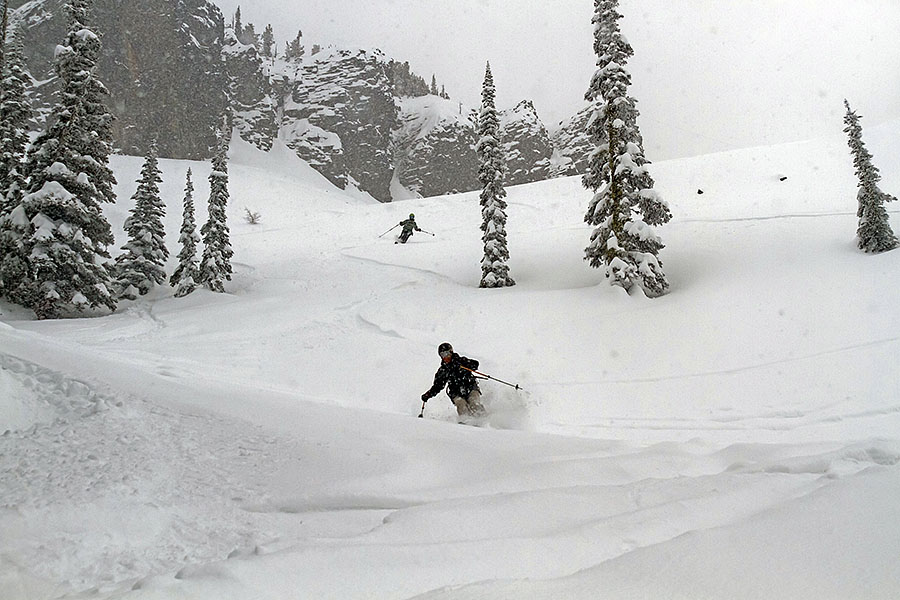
(494, 270)
(236, 23)
(4, 22)
(294, 49)
(215, 266)
(625, 207)
(248, 36)
(143, 262)
(874, 233)
(15, 111)
(268, 42)
(68, 181)
(184, 279)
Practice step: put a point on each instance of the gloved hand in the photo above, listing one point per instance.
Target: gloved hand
(424, 397)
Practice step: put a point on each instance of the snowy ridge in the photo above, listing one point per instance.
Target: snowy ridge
(736, 438)
(422, 115)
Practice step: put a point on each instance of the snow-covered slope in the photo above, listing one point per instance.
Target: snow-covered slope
(736, 438)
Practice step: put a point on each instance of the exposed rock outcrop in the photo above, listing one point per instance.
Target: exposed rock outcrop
(340, 117)
(174, 69)
(251, 93)
(527, 144)
(572, 145)
(435, 147)
(161, 62)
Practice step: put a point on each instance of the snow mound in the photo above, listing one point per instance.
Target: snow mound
(31, 396)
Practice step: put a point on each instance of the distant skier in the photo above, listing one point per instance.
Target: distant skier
(456, 374)
(409, 225)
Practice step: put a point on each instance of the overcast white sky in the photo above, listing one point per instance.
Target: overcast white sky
(708, 75)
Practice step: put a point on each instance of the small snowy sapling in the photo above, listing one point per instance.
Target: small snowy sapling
(253, 218)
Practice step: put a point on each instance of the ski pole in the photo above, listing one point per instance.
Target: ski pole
(486, 376)
(422, 413)
(390, 230)
(428, 232)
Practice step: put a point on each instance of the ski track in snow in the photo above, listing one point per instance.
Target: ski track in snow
(772, 217)
(429, 272)
(367, 324)
(732, 371)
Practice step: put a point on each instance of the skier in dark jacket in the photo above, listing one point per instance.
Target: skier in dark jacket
(408, 226)
(460, 382)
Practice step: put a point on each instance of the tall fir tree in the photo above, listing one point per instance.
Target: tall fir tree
(215, 266)
(68, 181)
(625, 207)
(142, 265)
(184, 279)
(4, 22)
(434, 88)
(268, 42)
(492, 170)
(15, 112)
(294, 49)
(238, 26)
(874, 233)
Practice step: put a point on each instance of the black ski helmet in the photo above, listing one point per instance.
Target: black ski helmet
(412, 216)
(445, 347)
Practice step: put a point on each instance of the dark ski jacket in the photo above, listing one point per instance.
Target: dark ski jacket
(459, 382)
(409, 225)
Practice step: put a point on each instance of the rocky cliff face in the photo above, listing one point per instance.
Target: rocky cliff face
(527, 144)
(340, 116)
(435, 147)
(161, 62)
(251, 93)
(173, 69)
(572, 145)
